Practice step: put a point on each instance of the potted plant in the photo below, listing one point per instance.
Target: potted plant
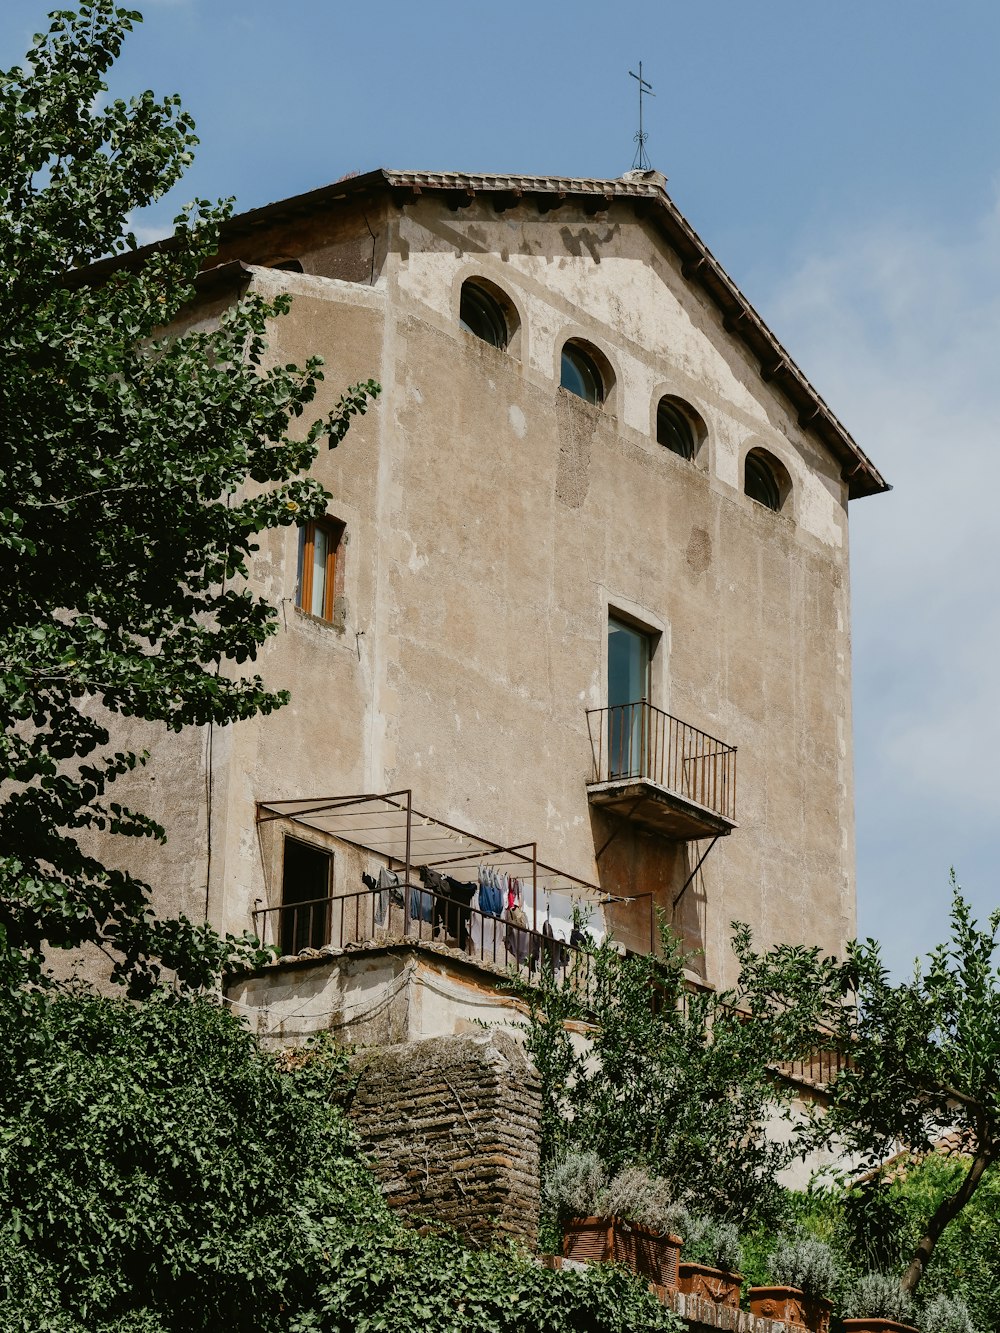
(710, 1258)
(946, 1314)
(876, 1303)
(616, 1220)
(804, 1272)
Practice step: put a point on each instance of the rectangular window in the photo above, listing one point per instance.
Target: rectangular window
(629, 654)
(319, 548)
(305, 893)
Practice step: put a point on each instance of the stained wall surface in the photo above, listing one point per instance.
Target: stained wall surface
(493, 521)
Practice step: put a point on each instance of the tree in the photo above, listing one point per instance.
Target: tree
(136, 469)
(161, 1174)
(681, 1082)
(924, 1064)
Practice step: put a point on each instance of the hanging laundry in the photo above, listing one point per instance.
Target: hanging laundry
(490, 895)
(386, 889)
(452, 901)
(518, 935)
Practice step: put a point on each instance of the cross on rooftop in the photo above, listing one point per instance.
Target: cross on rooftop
(641, 160)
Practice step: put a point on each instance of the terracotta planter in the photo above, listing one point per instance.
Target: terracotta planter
(710, 1284)
(791, 1306)
(872, 1325)
(818, 1312)
(604, 1240)
(786, 1304)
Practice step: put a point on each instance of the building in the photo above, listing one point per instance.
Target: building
(585, 564)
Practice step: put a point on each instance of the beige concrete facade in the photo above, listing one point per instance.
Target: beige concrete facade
(492, 523)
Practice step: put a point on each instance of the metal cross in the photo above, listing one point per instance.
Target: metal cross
(641, 161)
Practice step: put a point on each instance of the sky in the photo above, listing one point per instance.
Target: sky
(842, 160)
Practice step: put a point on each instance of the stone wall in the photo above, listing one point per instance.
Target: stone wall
(452, 1127)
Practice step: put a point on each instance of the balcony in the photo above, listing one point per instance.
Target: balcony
(661, 773)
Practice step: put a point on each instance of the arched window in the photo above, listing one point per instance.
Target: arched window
(483, 314)
(765, 479)
(582, 374)
(676, 429)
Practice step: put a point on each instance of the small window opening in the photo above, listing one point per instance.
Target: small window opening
(305, 894)
(481, 314)
(319, 552)
(581, 375)
(286, 262)
(674, 429)
(762, 480)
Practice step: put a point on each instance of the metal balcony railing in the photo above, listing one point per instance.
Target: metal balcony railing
(413, 912)
(641, 742)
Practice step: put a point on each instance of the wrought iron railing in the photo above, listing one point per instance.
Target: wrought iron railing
(414, 912)
(640, 741)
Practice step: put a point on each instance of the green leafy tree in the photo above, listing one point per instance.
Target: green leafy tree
(925, 1064)
(681, 1082)
(161, 1174)
(135, 471)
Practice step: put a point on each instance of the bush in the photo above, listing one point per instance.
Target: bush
(805, 1263)
(161, 1174)
(946, 1314)
(708, 1241)
(576, 1185)
(636, 1196)
(877, 1296)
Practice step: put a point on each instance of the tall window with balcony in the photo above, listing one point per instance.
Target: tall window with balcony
(629, 654)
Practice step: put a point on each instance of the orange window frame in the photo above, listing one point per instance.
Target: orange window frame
(307, 548)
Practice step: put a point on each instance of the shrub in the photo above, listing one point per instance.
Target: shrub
(877, 1296)
(805, 1263)
(946, 1314)
(708, 1241)
(576, 1185)
(637, 1196)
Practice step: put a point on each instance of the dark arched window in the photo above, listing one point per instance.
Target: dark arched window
(580, 373)
(765, 479)
(675, 429)
(482, 314)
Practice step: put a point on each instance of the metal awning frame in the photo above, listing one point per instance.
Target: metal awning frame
(387, 825)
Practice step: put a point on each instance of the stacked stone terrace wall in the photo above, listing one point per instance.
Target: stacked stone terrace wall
(451, 1124)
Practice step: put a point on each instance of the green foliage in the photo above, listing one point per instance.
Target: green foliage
(135, 471)
(875, 1226)
(967, 1257)
(575, 1185)
(946, 1314)
(925, 1064)
(806, 1263)
(677, 1082)
(708, 1241)
(877, 1296)
(152, 1161)
(161, 1175)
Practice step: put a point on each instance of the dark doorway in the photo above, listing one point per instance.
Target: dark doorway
(305, 893)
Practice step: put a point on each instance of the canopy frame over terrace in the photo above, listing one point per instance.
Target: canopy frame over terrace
(387, 825)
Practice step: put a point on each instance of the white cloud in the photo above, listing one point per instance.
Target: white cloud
(900, 330)
(147, 232)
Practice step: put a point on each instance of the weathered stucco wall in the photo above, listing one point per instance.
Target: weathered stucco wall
(492, 522)
(380, 995)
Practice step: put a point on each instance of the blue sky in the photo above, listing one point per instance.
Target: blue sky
(841, 160)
